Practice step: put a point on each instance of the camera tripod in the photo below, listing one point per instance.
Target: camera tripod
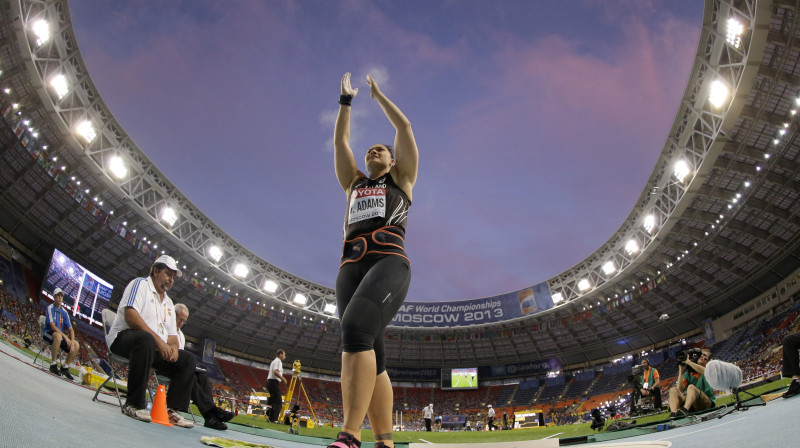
(740, 406)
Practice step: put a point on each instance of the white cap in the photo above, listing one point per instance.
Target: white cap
(57, 291)
(489, 406)
(168, 261)
(431, 405)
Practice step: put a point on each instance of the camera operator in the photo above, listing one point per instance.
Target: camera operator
(692, 392)
(652, 381)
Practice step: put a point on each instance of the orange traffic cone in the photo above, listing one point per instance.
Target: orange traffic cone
(159, 410)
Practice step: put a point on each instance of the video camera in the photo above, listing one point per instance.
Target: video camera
(636, 372)
(598, 421)
(692, 354)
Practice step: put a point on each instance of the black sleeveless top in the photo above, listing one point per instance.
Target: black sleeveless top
(375, 203)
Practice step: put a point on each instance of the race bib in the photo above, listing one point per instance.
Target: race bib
(366, 203)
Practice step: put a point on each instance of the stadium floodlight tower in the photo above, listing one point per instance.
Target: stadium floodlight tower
(60, 85)
(270, 286)
(300, 299)
(215, 253)
(117, 167)
(241, 270)
(169, 216)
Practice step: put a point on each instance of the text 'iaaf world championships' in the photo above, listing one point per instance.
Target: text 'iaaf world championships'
(446, 314)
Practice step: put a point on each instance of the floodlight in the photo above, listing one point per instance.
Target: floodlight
(300, 299)
(649, 223)
(558, 298)
(169, 216)
(718, 94)
(270, 286)
(681, 170)
(584, 285)
(734, 32)
(215, 253)
(60, 85)
(41, 29)
(240, 270)
(609, 268)
(330, 308)
(86, 130)
(117, 167)
(631, 247)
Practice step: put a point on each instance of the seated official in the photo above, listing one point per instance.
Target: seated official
(145, 332)
(53, 333)
(202, 396)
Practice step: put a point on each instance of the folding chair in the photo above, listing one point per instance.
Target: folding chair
(42, 322)
(113, 360)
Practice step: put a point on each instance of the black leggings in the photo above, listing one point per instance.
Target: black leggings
(368, 294)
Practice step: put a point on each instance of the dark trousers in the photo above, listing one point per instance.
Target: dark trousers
(201, 393)
(275, 400)
(791, 364)
(428, 424)
(140, 349)
(492, 426)
(656, 391)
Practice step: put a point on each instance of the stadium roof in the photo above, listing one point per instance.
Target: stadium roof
(724, 234)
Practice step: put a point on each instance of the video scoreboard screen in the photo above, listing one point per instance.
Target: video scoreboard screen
(464, 378)
(86, 295)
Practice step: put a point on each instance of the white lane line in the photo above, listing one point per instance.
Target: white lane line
(701, 430)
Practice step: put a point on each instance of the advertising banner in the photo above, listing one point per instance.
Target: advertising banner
(475, 311)
(519, 368)
(412, 374)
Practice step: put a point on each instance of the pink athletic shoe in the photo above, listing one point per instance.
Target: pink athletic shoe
(345, 440)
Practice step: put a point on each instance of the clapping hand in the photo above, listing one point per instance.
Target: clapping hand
(347, 89)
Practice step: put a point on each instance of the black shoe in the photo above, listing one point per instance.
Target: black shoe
(223, 415)
(65, 373)
(794, 389)
(681, 412)
(213, 423)
(54, 370)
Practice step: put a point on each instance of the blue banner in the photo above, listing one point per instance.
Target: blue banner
(475, 311)
(209, 348)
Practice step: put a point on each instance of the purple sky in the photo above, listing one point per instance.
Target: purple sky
(538, 123)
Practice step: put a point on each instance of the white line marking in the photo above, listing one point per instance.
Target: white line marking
(425, 441)
(550, 437)
(701, 430)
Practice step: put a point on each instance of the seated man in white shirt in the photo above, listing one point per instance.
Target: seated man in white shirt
(146, 333)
